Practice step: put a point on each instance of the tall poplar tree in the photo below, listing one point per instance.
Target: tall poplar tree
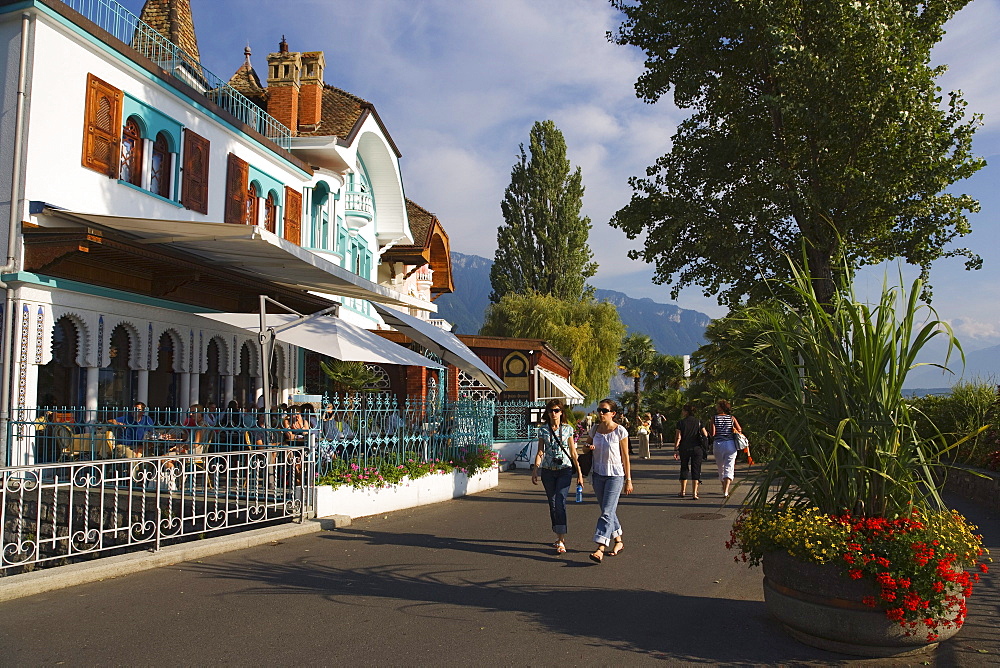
(543, 244)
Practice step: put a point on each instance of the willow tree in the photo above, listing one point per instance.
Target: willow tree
(816, 125)
(588, 332)
(542, 246)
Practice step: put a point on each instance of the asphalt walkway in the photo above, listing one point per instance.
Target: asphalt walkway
(469, 582)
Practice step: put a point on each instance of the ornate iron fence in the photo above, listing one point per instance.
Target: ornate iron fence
(516, 420)
(62, 512)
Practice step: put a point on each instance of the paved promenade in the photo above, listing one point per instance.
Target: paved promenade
(466, 582)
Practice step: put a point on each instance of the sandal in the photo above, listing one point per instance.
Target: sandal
(681, 495)
(560, 547)
(694, 498)
(597, 556)
(619, 546)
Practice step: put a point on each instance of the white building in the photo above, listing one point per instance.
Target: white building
(139, 189)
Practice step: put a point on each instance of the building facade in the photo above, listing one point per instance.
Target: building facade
(144, 191)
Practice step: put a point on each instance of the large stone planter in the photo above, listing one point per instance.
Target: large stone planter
(820, 607)
(434, 488)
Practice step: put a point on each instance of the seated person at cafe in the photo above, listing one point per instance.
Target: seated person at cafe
(138, 427)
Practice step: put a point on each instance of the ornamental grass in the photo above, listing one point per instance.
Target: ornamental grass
(850, 480)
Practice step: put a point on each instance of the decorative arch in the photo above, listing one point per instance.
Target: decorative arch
(254, 356)
(225, 354)
(180, 349)
(387, 188)
(134, 342)
(83, 333)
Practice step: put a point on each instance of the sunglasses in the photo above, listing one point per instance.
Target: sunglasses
(555, 410)
(604, 410)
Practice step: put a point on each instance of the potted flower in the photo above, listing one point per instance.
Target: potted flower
(860, 553)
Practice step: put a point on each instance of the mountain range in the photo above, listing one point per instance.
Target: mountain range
(674, 331)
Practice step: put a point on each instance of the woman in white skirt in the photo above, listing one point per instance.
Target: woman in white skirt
(722, 431)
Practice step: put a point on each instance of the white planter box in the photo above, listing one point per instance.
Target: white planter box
(346, 500)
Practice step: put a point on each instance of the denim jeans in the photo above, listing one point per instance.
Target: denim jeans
(607, 489)
(556, 484)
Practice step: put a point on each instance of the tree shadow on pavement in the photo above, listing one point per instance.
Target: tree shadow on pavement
(659, 625)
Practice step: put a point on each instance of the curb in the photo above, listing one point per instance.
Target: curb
(50, 579)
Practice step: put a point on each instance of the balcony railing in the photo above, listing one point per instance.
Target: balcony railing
(127, 27)
(358, 203)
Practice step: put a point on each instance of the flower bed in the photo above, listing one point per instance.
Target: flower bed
(384, 486)
(916, 564)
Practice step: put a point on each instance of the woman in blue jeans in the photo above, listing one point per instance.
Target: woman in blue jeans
(612, 473)
(556, 459)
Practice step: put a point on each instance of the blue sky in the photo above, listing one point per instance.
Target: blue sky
(459, 84)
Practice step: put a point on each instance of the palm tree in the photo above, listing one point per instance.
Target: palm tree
(634, 359)
(665, 372)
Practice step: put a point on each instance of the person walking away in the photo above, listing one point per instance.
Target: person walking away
(722, 431)
(611, 475)
(645, 425)
(656, 427)
(557, 461)
(689, 446)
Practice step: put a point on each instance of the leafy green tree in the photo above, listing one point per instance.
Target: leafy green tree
(813, 124)
(588, 332)
(543, 244)
(635, 359)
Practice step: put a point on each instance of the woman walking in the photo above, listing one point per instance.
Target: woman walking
(722, 431)
(556, 458)
(612, 473)
(689, 448)
(645, 426)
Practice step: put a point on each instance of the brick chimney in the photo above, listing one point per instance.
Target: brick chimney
(283, 82)
(311, 92)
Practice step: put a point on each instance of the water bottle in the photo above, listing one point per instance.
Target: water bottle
(579, 493)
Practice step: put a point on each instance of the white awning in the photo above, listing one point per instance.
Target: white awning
(444, 344)
(251, 250)
(553, 386)
(331, 336)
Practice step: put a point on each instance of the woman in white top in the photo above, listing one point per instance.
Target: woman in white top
(556, 458)
(612, 473)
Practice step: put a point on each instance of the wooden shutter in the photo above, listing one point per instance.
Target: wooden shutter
(102, 126)
(194, 178)
(293, 216)
(237, 182)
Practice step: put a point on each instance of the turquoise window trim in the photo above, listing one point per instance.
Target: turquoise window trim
(151, 194)
(154, 121)
(185, 100)
(97, 291)
(268, 183)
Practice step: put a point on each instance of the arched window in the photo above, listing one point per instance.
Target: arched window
(117, 381)
(160, 167)
(271, 212)
(252, 210)
(60, 382)
(131, 164)
(321, 216)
